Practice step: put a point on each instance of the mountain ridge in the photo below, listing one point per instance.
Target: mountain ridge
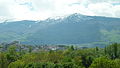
(72, 29)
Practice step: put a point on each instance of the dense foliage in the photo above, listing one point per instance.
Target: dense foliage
(72, 57)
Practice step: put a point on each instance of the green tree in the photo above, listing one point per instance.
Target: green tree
(17, 64)
(3, 61)
(102, 62)
(113, 51)
(12, 54)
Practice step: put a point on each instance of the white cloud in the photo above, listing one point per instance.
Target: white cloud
(101, 9)
(42, 9)
(117, 10)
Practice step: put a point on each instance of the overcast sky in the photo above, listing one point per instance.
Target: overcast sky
(42, 9)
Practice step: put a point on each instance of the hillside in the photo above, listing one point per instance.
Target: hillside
(72, 29)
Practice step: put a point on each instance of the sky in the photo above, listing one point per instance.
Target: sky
(43, 9)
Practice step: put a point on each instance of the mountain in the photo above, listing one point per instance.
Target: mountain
(72, 29)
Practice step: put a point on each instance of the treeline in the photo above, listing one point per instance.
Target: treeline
(108, 57)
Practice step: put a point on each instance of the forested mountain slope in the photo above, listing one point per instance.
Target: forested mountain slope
(72, 29)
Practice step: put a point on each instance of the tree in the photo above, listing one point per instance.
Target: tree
(102, 62)
(3, 61)
(86, 61)
(97, 49)
(12, 54)
(113, 51)
(17, 64)
(39, 65)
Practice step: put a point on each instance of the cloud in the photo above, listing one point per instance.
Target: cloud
(42, 9)
(101, 9)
